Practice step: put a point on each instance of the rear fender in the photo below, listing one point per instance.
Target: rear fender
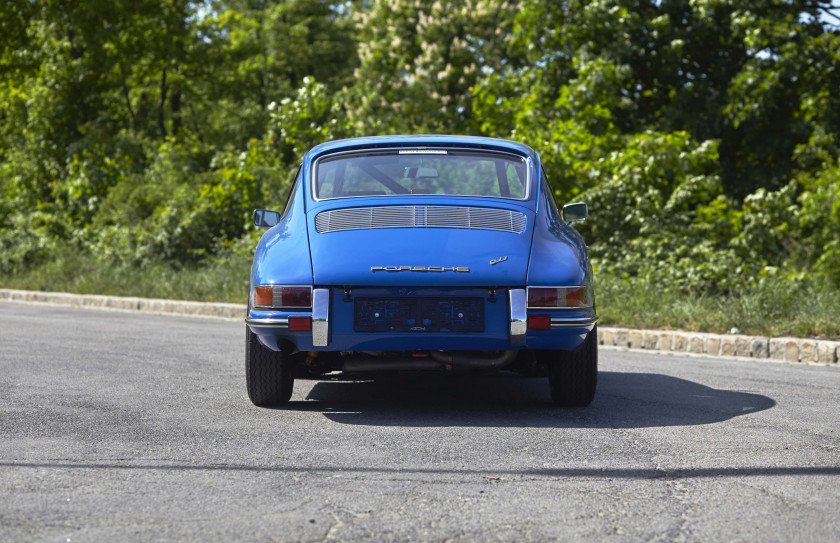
(558, 253)
(282, 255)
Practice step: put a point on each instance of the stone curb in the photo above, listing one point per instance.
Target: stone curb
(784, 348)
(144, 305)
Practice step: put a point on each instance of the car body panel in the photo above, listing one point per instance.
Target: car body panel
(347, 257)
(558, 253)
(282, 254)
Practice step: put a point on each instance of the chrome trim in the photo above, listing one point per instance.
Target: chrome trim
(268, 323)
(419, 268)
(518, 317)
(575, 322)
(422, 216)
(320, 317)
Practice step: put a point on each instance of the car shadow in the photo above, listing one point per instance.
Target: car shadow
(623, 400)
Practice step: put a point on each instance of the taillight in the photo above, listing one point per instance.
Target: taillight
(558, 297)
(277, 296)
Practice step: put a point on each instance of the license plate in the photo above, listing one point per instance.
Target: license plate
(419, 315)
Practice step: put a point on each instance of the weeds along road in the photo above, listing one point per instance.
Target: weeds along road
(120, 426)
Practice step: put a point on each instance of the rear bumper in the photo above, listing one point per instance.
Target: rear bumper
(505, 324)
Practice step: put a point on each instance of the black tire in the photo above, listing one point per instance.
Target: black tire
(269, 376)
(573, 375)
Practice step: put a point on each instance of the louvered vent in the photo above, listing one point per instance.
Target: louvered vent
(473, 218)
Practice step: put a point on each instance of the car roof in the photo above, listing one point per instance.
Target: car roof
(421, 140)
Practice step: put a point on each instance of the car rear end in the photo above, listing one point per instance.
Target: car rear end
(409, 273)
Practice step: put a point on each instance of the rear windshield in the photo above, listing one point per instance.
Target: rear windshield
(421, 171)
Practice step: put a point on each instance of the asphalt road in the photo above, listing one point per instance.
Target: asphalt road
(118, 426)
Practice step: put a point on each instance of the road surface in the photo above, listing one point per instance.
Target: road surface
(120, 426)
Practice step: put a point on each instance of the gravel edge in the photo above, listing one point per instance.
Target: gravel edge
(786, 349)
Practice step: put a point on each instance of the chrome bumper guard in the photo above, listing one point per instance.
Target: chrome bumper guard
(320, 317)
(518, 317)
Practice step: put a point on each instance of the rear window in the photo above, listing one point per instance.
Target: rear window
(421, 172)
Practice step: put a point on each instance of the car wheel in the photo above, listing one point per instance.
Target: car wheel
(268, 374)
(573, 375)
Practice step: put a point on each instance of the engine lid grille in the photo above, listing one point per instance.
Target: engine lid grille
(473, 218)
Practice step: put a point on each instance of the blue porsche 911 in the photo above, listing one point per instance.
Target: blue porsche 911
(421, 253)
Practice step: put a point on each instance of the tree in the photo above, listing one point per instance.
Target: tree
(419, 60)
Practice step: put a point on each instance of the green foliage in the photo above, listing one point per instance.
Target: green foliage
(661, 214)
(224, 279)
(817, 224)
(137, 136)
(419, 60)
(311, 117)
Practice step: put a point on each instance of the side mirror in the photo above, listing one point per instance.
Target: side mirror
(575, 212)
(265, 218)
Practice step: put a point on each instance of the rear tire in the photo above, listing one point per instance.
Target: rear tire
(269, 376)
(573, 375)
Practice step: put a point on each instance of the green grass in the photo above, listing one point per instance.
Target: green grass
(223, 279)
(775, 307)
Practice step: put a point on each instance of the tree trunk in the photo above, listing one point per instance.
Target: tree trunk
(162, 105)
(175, 107)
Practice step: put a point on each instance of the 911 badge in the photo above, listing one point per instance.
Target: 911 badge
(419, 268)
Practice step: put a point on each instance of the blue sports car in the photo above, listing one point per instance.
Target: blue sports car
(421, 253)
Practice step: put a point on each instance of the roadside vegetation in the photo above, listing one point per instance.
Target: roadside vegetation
(136, 137)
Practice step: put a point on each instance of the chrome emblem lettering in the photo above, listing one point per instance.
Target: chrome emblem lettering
(420, 268)
(494, 262)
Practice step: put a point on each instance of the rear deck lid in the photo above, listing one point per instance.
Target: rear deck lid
(420, 245)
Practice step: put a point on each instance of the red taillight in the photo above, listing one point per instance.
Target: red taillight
(558, 297)
(542, 297)
(539, 322)
(282, 296)
(296, 297)
(300, 324)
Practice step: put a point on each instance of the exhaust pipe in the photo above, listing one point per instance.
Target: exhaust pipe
(396, 364)
(451, 360)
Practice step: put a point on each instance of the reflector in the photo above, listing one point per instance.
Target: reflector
(539, 322)
(300, 324)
